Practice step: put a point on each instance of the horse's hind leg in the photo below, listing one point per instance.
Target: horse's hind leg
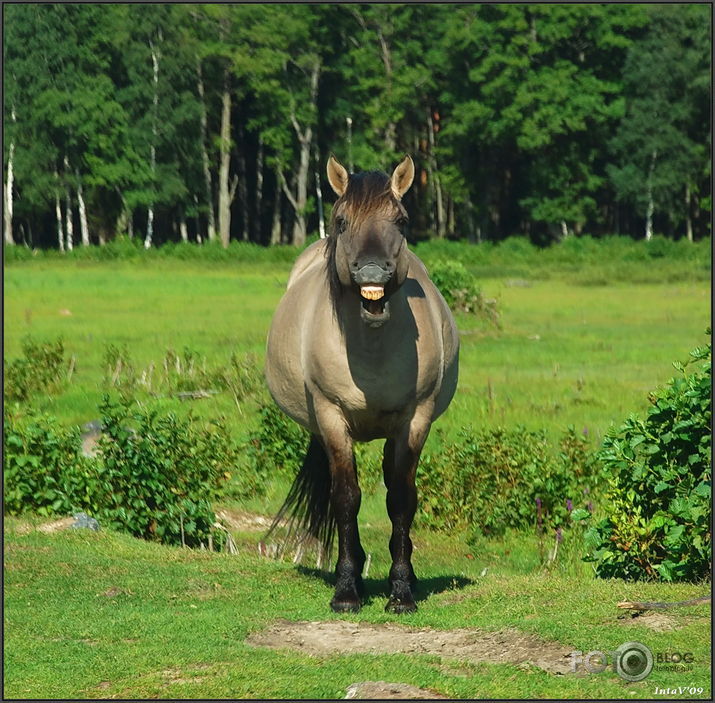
(399, 467)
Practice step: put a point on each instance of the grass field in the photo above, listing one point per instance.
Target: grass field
(97, 615)
(566, 354)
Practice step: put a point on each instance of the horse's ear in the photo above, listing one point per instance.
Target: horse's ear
(402, 177)
(337, 176)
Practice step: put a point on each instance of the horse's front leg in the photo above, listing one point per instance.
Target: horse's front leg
(400, 459)
(345, 497)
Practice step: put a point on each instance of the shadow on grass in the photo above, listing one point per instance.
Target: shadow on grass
(379, 588)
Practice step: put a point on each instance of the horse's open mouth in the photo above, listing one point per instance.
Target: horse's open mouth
(374, 305)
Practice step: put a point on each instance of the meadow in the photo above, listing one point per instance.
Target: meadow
(586, 330)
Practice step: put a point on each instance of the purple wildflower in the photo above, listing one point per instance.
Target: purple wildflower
(569, 504)
(590, 506)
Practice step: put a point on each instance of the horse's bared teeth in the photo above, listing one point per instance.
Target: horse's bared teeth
(372, 292)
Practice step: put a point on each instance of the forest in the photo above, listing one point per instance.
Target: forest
(171, 122)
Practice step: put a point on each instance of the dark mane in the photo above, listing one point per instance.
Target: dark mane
(367, 192)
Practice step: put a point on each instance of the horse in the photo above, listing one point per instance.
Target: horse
(362, 346)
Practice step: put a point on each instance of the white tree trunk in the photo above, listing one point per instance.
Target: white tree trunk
(688, 220)
(183, 229)
(258, 202)
(651, 205)
(205, 156)
(8, 191)
(224, 199)
(276, 222)
(58, 216)
(439, 202)
(69, 226)
(84, 228)
(154, 131)
(305, 138)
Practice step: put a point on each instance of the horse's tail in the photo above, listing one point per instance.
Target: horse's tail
(307, 510)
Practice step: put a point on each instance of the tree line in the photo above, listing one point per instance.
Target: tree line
(200, 122)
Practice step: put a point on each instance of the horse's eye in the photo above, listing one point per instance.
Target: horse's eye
(340, 225)
(402, 222)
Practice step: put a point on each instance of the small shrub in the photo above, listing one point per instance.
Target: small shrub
(659, 497)
(41, 369)
(495, 480)
(279, 444)
(460, 290)
(160, 473)
(155, 476)
(41, 461)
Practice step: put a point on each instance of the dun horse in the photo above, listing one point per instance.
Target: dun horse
(362, 347)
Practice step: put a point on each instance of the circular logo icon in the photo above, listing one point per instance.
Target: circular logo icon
(634, 661)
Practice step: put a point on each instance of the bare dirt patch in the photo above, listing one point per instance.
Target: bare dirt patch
(474, 646)
(382, 690)
(659, 622)
(244, 521)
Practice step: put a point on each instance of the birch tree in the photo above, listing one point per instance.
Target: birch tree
(8, 187)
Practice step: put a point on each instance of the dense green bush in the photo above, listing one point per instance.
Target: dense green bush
(155, 475)
(278, 445)
(41, 464)
(659, 496)
(461, 291)
(160, 473)
(494, 480)
(40, 369)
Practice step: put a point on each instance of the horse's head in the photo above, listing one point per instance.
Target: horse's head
(367, 235)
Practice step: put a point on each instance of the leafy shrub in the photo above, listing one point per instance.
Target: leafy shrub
(155, 476)
(659, 496)
(494, 480)
(41, 369)
(279, 444)
(40, 462)
(159, 473)
(460, 290)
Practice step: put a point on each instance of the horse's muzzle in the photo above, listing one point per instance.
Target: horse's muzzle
(372, 274)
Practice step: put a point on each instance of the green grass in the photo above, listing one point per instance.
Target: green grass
(98, 615)
(566, 353)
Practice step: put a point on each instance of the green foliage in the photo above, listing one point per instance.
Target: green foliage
(537, 119)
(659, 495)
(160, 473)
(493, 480)
(41, 461)
(156, 475)
(460, 290)
(41, 369)
(278, 445)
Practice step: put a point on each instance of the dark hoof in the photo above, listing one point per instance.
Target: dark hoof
(400, 606)
(345, 606)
